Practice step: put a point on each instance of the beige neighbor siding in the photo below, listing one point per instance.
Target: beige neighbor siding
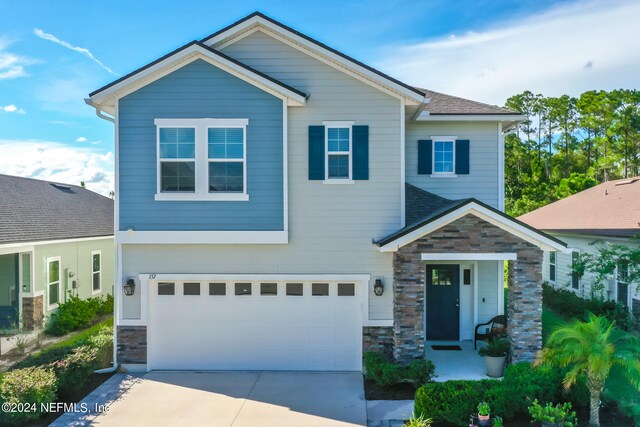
(75, 257)
(563, 266)
(482, 181)
(331, 227)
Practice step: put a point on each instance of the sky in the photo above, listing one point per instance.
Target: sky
(52, 54)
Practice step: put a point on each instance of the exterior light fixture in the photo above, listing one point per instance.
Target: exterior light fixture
(378, 287)
(129, 287)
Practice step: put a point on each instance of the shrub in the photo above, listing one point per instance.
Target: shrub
(452, 401)
(103, 343)
(106, 306)
(45, 357)
(417, 422)
(31, 386)
(387, 373)
(78, 313)
(72, 371)
(555, 414)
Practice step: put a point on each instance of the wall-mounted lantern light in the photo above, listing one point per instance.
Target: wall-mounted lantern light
(129, 287)
(378, 287)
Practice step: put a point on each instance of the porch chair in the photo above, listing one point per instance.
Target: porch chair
(498, 326)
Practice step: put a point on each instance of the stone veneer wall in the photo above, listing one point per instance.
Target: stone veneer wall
(32, 312)
(132, 344)
(472, 235)
(378, 339)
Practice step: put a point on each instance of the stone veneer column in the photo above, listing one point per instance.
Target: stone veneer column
(524, 323)
(132, 345)
(378, 339)
(408, 306)
(32, 312)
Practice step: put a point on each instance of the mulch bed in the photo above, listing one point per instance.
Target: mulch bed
(396, 392)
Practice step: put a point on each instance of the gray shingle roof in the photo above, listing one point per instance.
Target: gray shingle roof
(34, 210)
(448, 104)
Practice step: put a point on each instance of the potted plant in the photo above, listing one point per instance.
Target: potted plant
(483, 414)
(495, 357)
(497, 422)
(559, 415)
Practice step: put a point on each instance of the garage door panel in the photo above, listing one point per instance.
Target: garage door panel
(254, 332)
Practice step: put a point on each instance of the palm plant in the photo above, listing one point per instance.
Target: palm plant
(591, 349)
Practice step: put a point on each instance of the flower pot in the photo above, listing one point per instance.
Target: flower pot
(495, 365)
(484, 420)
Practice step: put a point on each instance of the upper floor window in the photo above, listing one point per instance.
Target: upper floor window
(338, 151)
(552, 267)
(202, 159)
(443, 156)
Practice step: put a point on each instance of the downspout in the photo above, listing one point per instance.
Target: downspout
(99, 112)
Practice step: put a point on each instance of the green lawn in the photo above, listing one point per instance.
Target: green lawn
(83, 335)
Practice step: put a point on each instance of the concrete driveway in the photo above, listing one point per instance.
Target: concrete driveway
(238, 399)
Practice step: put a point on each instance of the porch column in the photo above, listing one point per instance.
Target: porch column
(408, 305)
(524, 324)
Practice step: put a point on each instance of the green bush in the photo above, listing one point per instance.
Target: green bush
(103, 342)
(74, 370)
(77, 313)
(45, 357)
(451, 401)
(387, 373)
(32, 386)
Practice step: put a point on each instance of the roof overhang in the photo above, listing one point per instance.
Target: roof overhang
(105, 97)
(259, 22)
(473, 207)
(426, 117)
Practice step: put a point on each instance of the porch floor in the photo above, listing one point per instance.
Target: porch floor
(465, 364)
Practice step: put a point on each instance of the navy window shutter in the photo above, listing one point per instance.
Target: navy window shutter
(316, 153)
(425, 156)
(462, 156)
(360, 136)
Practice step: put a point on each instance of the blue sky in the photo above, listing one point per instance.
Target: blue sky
(52, 54)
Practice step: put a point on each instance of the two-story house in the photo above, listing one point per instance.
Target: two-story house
(283, 206)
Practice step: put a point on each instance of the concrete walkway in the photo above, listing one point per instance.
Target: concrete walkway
(226, 399)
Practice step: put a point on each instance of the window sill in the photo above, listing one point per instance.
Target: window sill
(338, 181)
(94, 292)
(443, 175)
(209, 197)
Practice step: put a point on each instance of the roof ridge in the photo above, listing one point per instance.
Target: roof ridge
(428, 91)
(45, 181)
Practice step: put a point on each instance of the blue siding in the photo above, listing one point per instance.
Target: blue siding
(200, 90)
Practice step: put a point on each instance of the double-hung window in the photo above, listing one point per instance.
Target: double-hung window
(622, 270)
(552, 267)
(96, 272)
(443, 156)
(338, 137)
(202, 159)
(54, 288)
(575, 277)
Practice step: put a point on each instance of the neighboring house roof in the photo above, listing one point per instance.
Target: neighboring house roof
(105, 96)
(428, 212)
(609, 209)
(33, 210)
(442, 104)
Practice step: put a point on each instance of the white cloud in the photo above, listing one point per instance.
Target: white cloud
(11, 108)
(81, 139)
(569, 49)
(12, 65)
(54, 161)
(86, 52)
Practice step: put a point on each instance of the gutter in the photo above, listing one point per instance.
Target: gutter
(114, 367)
(99, 112)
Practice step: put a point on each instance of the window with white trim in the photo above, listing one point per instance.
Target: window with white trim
(575, 277)
(552, 267)
(202, 159)
(444, 156)
(96, 271)
(54, 288)
(338, 140)
(622, 279)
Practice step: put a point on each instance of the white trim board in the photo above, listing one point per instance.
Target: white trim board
(201, 237)
(487, 256)
(483, 213)
(50, 242)
(426, 117)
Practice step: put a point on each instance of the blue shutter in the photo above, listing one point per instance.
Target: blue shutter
(316, 153)
(360, 136)
(462, 156)
(425, 156)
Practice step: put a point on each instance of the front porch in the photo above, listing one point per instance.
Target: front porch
(464, 364)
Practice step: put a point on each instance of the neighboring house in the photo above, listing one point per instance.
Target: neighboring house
(609, 212)
(56, 240)
(267, 185)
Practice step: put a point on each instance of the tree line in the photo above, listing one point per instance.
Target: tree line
(568, 144)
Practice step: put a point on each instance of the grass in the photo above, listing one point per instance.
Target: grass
(78, 339)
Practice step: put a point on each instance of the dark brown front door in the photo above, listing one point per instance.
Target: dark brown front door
(442, 302)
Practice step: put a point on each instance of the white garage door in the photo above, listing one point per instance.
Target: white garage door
(257, 325)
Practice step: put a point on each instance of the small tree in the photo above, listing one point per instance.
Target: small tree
(590, 349)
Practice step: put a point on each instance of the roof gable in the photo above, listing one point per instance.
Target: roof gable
(258, 21)
(105, 97)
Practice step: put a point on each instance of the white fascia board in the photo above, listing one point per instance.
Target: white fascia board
(256, 23)
(452, 256)
(469, 117)
(201, 237)
(107, 97)
(481, 212)
(52, 242)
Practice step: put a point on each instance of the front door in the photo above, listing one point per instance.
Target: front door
(443, 302)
